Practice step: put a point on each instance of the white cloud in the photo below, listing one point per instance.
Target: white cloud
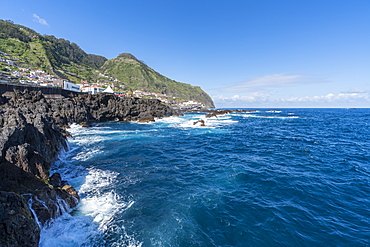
(40, 20)
(266, 99)
(251, 98)
(275, 80)
(354, 90)
(334, 98)
(272, 81)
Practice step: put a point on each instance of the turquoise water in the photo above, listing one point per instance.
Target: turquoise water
(288, 177)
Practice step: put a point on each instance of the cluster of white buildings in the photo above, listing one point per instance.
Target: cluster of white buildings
(140, 94)
(96, 89)
(41, 78)
(8, 61)
(5, 60)
(28, 76)
(163, 97)
(111, 78)
(191, 105)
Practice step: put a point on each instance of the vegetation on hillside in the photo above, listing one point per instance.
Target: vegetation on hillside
(135, 74)
(67, 60)
(46, 52)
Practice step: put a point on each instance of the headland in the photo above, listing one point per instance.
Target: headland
(33, 131)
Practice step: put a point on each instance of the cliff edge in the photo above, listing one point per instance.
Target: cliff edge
(32, 133)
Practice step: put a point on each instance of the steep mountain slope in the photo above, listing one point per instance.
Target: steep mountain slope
(55, 56)
(136, 75)
(67, 60)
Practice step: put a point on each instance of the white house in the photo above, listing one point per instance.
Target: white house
(71, 86)
(92, 89)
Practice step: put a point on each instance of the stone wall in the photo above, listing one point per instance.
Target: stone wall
(7, 89)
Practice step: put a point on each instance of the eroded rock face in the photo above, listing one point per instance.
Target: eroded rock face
(30, 141)
(18, 226)
(56, 180)
(3, 100)
(90, 108)
(51, 202)
(32, 133)
(31, 144)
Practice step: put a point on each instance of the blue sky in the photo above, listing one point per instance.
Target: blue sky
(250, 53)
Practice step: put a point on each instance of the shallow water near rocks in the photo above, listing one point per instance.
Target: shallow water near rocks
(288, 177)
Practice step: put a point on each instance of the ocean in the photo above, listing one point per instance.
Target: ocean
(274, 177)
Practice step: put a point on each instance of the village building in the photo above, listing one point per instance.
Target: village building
(71, 86)
(108, 90)
(65, 85)
(58, 82)
(92, 89)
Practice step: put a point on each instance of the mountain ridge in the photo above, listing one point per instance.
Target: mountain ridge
(135, 74)
(68, 61)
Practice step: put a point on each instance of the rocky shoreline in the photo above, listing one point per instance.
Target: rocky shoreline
(33, 132)
(215, 113)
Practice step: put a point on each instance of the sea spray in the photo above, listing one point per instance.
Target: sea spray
(29, 203)
(91, 222)
(267, 180)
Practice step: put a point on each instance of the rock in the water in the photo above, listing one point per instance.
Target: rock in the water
(32, 133)
(201, 122)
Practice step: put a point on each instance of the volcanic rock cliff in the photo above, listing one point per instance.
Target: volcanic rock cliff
(31, 136)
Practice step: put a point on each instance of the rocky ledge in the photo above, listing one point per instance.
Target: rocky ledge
(215, 113)
(32, 133)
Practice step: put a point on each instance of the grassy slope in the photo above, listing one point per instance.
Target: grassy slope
(138, 76)
(67, 60)
(32, 54)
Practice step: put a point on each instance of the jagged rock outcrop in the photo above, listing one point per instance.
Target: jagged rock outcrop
(217, 112)
(32, 133)
(200, 121)
(90, 108)
(3, 100)
(18, 227)
(29, 140)
(51, 202)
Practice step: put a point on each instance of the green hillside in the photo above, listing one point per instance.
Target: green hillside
(54, 56)
(136, 75)
(67, 60)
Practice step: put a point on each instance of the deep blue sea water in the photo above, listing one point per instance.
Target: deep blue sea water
(288, 177)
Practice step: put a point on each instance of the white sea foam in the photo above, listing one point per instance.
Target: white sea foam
(97, 179)
(268, 117)
(219, 122)
(101, 202)
(210, 123)
(84, 156)
(188, 121)
(70, 230)
(97, 133)
(87, 141)
(273, 111)
(170, 120)
(93, 219)
(74, 128)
